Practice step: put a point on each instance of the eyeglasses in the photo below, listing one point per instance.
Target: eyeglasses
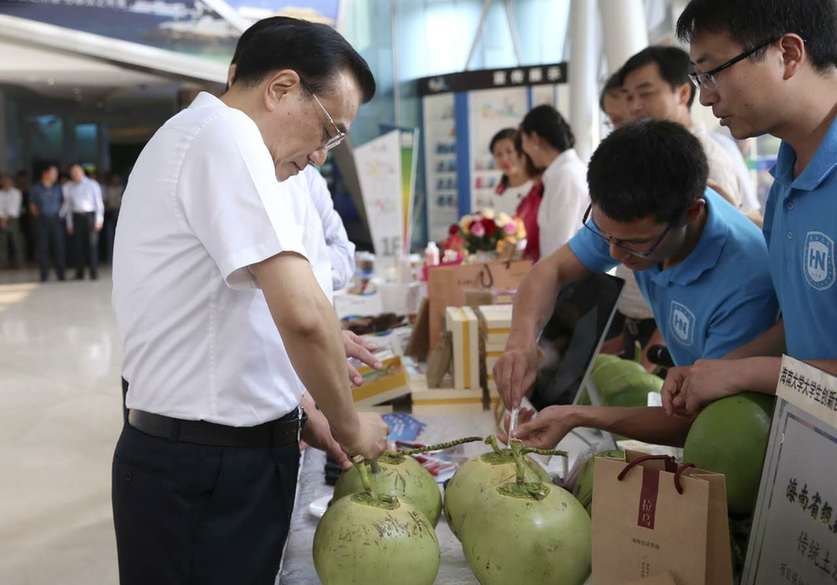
(708, 79)
(646, 254)
(339, 136)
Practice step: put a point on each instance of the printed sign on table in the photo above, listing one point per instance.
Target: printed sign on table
(794, 534)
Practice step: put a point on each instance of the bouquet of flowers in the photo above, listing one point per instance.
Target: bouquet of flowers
(486, 231)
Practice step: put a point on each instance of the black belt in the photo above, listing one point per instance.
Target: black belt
(283, 432)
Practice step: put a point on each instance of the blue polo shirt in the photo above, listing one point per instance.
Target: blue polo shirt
(800, 226)
(717, 299)
(48, 200)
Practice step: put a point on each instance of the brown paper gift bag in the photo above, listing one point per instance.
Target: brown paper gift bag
(446, 286)
(651, 515)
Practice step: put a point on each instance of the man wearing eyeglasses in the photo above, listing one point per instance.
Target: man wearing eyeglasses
(205, 469)
(701, 265)
(656, 85)
(769, 66)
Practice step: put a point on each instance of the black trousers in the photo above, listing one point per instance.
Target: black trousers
(192, 514)
(49, 237)
(86, 244)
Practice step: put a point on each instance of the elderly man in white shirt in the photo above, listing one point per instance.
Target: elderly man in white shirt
(207, 245)
(11, 203)
(85, 218)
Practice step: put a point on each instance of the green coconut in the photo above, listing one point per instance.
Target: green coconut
(583, 489)
(365, 538)
(487, 470)
(528, 532)
(397, 475)
(634, 390)
(730, 436)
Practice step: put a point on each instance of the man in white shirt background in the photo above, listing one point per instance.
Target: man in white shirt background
(657, 85)
(12, 251)
(11, 204)
(85, 218)
(205, 470)
(341, 250)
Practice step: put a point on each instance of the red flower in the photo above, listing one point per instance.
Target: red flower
(490, 226)
(454, 229)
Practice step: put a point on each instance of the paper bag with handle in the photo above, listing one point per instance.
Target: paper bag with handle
(652, 516)
(446, 286)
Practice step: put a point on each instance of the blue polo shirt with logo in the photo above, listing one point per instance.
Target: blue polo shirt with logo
(800, 226)
(717, 299)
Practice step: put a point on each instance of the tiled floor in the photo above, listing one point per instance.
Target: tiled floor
(60, 415)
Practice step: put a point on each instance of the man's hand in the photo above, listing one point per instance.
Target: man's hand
(317, 433)
(69, 230)
(687, 390)
(545, 430)
(359, 348)
(523, 416)
(99, 226)
(368, 438)
(514, 374)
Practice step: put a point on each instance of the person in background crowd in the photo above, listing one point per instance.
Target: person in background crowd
(613, 101)
(11, 204)
(770, 67)
(690, 250)
(47, 208)
(634, 319)
(657, 84)
(85, 218)
(113, 201)
(520, 190)
(341, 250)
(746, 183)
(26, 220)
(548, 140)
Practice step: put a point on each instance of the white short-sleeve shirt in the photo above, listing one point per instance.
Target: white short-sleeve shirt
(565, 198)
(341, 250)
(203, 204)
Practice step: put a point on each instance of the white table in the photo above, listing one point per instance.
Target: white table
(298, 565)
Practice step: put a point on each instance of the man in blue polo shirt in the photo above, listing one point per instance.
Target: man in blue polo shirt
(699, 262)
(770, 66)
(47, 207)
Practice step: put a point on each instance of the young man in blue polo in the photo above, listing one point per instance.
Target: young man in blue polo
(770, 67)
(702, 266)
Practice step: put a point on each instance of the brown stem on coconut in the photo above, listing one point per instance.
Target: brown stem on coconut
(491, 441)
(519, 464)
(363, 471)
(544, 452)
(439, 446)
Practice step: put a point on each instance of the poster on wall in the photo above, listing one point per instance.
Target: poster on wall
(440, 163)
(324, 11)
(409, 161)
(378, 165)
(461, 112)
(199, 28)
(490, 111)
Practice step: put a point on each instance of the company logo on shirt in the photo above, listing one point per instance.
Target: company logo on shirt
(818, 260)
(682, 323)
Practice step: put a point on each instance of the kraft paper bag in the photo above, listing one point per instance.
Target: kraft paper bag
(446, 286)
(664, 579)
(652, 516)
